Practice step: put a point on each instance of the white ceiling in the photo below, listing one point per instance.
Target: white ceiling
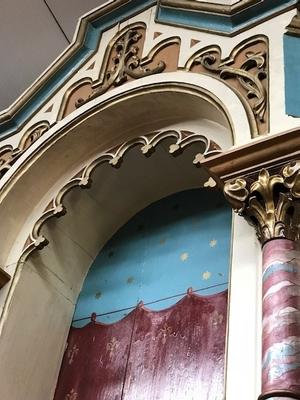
(32, 34)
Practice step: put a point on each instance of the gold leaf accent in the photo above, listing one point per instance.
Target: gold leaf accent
(269, 202)
(184, 256)
(291, 178)
(112, 345)
(72, 353)
(72, 395)
(206, 275)
(166, 331)
(236, 192)
(217, 318)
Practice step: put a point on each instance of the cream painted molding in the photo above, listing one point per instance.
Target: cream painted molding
(202, 85)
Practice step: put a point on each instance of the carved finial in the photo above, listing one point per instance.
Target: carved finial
(269, 202)
(189, 291)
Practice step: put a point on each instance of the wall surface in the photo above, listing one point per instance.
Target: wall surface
(179, 242)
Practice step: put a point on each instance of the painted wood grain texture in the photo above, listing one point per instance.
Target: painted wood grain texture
(95, 361)
(281, 318)
(176, 353)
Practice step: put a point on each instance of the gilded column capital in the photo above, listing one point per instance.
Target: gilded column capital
(269, 202)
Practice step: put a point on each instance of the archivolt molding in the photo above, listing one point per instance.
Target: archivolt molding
(199, 85)
(9, 155)
(245, 71)
(114, 157)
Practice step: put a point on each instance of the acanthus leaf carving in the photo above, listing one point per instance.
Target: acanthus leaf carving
(270, 202)
(247, 65)
(124, 55)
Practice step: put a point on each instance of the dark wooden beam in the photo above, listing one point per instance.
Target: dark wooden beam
(270, 152)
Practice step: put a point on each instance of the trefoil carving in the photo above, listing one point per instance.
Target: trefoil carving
(115, 157)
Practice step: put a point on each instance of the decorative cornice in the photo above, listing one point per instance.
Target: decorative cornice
(227, 20)
(114, 157)
(269, 152)
(224, 9)
(270, 202)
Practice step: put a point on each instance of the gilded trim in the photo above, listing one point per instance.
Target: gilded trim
(270, 203)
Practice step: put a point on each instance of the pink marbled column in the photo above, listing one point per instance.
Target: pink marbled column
(281, 320)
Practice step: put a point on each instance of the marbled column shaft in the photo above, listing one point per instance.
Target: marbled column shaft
(281, 320)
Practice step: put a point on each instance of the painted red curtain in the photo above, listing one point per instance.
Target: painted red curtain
(177, 354)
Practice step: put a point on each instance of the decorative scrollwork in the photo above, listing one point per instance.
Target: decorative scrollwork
(269, 203)
(123, 62)
(9, 155)
(114, 157)
(246, 70)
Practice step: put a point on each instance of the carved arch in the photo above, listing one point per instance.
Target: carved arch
(114, 157)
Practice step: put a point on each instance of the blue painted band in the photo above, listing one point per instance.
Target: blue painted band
(291, 45)
(226, 24)
(278, 267)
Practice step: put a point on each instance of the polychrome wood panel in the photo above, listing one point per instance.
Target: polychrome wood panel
(178, 353)
(95, 361)
(185, 236)
(172, 354)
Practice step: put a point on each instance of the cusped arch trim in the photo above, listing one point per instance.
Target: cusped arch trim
(83, 180)
(206, 87)
(114, 157)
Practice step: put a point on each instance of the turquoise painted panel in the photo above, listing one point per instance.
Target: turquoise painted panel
(292, 74)
(179, 242)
